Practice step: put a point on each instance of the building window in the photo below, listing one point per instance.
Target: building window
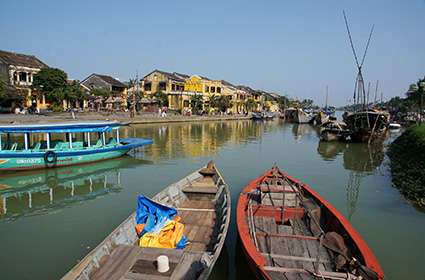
(147, 87)
(162, 86)
(207, 89)
(218, 89)
(212, 89)
(173, 87)
(15, 76)
(23, 76)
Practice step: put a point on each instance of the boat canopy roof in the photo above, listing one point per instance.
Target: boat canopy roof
(104, 126)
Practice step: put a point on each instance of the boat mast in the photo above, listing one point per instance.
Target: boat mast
(326, 102)
(376, 92)
(359, 89)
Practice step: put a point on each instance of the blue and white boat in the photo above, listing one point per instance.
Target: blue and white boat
(34, 146)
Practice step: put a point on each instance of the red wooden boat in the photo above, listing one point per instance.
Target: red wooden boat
(288, 231)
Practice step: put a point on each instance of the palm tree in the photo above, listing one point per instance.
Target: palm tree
(196, 102)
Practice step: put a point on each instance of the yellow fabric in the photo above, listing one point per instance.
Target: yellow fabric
(168, 237)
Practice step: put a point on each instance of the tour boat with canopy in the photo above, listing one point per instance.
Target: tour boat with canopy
(32, 146)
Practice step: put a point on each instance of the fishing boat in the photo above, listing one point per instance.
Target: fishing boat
(202, 200)
(367, 125)
(24, 147)
(288, 231)
(320, 118)
(394, 126)
(257, 116)
(301, 116)
(290, 114)
(333, 131)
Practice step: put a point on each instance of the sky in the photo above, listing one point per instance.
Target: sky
(293, 48)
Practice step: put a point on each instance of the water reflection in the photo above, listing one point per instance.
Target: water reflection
(198, 139)
(304, 130)
(42, 191)
(360, 159)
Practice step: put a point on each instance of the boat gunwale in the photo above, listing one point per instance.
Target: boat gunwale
(122, 145)
(369, 258)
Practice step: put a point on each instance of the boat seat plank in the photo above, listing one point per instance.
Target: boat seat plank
(200, 189)
(197, 204)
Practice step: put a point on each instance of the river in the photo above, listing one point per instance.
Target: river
(50, 219)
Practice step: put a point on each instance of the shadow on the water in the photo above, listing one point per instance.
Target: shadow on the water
(221, 267)
(304, 130)
(42, 191)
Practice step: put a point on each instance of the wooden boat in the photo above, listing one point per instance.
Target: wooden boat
(366, 126)
(320, 118)
(394, 126)
(302, 116)
(203, 202)
(257, 116)
(290, 114)
(38, 149)
(288, 231)
(333, 131)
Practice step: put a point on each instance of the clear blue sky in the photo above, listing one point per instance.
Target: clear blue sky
(291, 47)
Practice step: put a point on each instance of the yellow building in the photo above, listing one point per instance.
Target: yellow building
(171, 84)
(180, 88)
(204, 86)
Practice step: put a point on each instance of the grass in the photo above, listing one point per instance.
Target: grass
(407, 154)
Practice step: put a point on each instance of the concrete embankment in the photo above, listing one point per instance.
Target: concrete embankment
(122, 117)
(407, 154)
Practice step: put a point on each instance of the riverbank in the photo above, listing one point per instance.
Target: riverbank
(408, 164)
(121, 117)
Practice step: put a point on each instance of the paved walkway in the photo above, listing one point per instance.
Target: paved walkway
(122, 117)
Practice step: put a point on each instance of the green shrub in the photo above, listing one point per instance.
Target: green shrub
(407, 154)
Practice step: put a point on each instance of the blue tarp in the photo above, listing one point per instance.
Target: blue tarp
(152, 214)
(155, 216)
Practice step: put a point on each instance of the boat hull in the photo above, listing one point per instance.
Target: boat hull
(26, 163)
(302, 117)
(335, 222)
(22, 160)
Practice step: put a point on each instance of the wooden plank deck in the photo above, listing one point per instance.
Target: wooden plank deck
(294, 252)
(132, 262)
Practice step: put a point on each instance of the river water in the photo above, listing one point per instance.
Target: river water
(50, 219)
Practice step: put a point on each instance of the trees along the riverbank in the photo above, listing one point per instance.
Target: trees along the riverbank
(2, 90)
(196, 102)
(53, 84)
(414, 101)
(162, 98)
(407, 154)
(221, 102)
(250, 104)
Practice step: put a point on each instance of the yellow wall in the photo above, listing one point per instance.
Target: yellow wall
(194, 84)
